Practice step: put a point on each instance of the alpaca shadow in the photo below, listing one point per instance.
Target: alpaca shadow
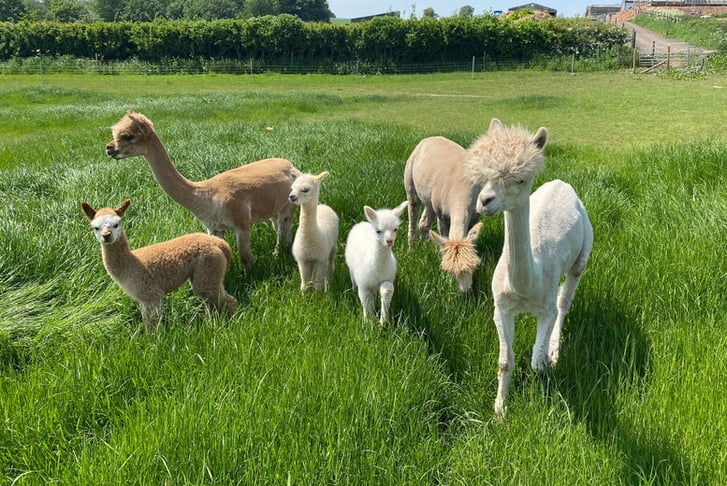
(604, 349)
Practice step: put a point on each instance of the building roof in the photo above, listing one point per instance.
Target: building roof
(534, 6)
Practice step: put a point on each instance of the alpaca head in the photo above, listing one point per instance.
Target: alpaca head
(385, 223)
(306, 188)
(459, 257)
(129, 136)
(504, 161)
(106, 222)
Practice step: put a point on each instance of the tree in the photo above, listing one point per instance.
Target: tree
(12, 10)
(69, 11)
(260, 8)
(212, 9)
(430, 13)
(306, 10)
(467, 11)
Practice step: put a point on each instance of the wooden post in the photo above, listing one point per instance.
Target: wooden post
(668, 57)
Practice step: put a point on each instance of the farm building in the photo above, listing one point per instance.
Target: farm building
(535, 6)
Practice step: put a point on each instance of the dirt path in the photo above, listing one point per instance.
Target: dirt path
(648, 41)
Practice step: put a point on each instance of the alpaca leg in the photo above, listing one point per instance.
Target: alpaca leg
(568, 289)
(386, 290)
(413, 210)
(319, 274)
(539, 360)
(443, 226)
(284, 228)
(565, 299)
(368, 300)
(243, 247)
(151, 312)
(331, 265)
(426, 221)
(207, 282)
(306, 274)
(506, 333)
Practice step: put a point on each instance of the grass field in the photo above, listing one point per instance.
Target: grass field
(296, 389)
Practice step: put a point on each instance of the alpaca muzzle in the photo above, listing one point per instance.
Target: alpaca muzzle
(111, 151)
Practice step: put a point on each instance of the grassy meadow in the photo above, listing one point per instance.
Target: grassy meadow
(296, 389)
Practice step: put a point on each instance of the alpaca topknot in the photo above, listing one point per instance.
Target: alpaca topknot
(508, 154)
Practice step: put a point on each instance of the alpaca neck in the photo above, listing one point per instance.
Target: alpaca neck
(172, 182)
(308, 223)
(118, 258)
(521, 268)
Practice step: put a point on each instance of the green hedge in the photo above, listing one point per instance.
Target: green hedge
(385, 39)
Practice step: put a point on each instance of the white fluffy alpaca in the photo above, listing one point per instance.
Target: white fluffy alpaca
(314, 246)
(370, 258)
(547, 235)
(147, 274)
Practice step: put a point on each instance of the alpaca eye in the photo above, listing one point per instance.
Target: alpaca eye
(304, 191)
(96, 228)
(116, 225)
(379, 232)
(126, 137)
(521, 182)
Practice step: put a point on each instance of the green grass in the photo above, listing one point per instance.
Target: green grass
(296, 389)
(707, 33)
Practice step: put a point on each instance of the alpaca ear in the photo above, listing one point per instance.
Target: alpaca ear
(495, 126)
(370, 214)
(88, 210)
(139, 121)
(540, 138)
(122, 209)
(400, 208)
(474, 232)
(437, 238)
(322, 175)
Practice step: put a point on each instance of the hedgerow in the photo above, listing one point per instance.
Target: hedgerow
(381, 40)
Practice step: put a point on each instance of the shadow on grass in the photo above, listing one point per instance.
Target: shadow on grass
(605, 355)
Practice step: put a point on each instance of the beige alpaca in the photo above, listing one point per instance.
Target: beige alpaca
(547, 236)
(434, 177)
(315, 243)
(148, 274)
(231, 200)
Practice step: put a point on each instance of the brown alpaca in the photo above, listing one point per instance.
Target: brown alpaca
(231, 200)
(148, 274)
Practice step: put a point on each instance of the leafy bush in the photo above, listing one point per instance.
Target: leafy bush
(382, 40)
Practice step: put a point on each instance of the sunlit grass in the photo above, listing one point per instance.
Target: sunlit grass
(295, 388)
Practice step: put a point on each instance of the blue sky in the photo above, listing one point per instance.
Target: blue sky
(445, 8)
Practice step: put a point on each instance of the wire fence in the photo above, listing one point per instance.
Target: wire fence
(68, 65)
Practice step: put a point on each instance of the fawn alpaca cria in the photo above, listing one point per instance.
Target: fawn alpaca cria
(147, 274)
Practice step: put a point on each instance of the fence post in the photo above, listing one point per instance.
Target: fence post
(668, 57)
(473, 67)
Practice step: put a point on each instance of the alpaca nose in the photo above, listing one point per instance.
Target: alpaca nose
(292, 198)
(486, 200)
(106, 235)
(110, 150)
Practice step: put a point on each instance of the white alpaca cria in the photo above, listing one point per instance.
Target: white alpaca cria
(434, 176)
(315, 242)
(547, 235)
(147, 274)
(370, 258)
(231, 200)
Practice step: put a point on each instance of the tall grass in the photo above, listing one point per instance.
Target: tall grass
(295, 388)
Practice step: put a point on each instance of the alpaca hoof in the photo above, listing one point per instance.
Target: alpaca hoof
(541, 363)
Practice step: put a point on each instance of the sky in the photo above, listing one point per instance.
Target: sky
(446, 8)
